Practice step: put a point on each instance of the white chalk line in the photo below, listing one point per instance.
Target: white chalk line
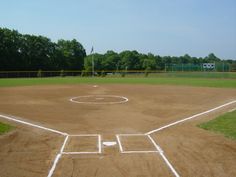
(132, 151)
(99, 144)
(74, 153)
(58, 156)
(157, 147)
(189, 118)
(119, 143)
(101, 103)
(161, 152)
(232, 110)
(81, 135)
(12, 118)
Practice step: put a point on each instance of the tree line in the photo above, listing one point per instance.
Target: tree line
(133, 60)
(24, 52)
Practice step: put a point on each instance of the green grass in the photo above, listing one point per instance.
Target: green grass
(225, 124)
(4, 128)
(201, 82)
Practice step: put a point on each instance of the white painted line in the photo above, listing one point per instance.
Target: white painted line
(68, 153)
(54, 165)
(232, 110)
(138, 152)
(169, 165)
(155, 144)
(99, 144)
(58, 156)
(188, 118)
(63, 146)
(33, 125)
(103, 96)
(139, 134)
(161, 152)
(119, 143)
(86, 135)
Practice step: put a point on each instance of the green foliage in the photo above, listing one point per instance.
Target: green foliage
(20, 52)
(225, 124)
(103, 74)
(147, 70)
(4, 128)
(29, 52)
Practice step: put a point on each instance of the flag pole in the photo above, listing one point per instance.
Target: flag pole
(92, 62)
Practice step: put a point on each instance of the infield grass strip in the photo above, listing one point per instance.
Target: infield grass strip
(220, 83)
(4, 128)
(225, 124)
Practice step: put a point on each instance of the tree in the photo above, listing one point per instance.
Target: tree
(72, 53)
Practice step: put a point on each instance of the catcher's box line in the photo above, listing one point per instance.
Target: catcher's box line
(188, 118)
(99, 144)
(58, 156)
(158, 150)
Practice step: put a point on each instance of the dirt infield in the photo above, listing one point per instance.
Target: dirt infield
(27, 151)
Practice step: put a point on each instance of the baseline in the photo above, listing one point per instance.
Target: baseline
(12, 118)
(189, 118)
(57, 158)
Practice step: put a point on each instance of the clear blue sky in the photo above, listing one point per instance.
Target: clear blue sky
(163, 27)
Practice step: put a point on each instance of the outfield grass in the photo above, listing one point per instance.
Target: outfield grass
(225, 124)
(4, 128)
(202, 82)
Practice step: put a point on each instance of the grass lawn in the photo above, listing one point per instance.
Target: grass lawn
(4, 128)
(225, 124)
(201, 82)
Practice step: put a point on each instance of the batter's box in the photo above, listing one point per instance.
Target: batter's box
(136, 143)
(83, 144)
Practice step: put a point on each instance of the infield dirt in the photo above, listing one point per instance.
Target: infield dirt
(193, 152)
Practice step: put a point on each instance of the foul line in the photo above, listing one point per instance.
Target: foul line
(58, 156)
(33, 125)
(163, 156)
(188, 118)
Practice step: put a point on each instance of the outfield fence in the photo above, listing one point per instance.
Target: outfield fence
(122, 73)
(218, 67)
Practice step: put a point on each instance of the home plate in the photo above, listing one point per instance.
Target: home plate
(95, 86)
(109, 143)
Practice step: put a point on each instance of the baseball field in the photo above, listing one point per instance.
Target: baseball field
(119, 127)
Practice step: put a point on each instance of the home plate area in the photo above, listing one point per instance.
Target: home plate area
(135, 151)
(93, 144)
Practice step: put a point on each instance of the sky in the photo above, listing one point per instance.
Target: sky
(162, 27)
